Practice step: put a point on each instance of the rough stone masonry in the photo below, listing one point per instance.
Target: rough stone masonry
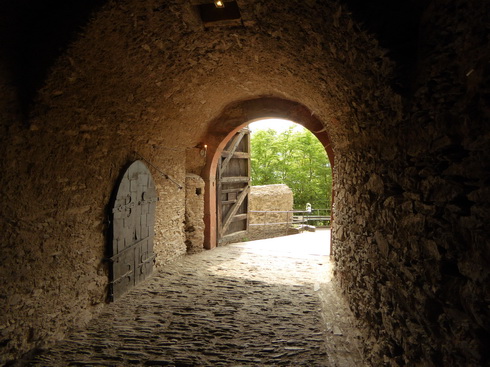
(263, 198)
(399, 92)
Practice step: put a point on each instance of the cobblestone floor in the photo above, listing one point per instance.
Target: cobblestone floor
(260, 303)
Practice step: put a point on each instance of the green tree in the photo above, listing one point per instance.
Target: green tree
(296, 159)
(265, 157)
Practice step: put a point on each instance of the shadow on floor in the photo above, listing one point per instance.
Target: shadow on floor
(260, 303)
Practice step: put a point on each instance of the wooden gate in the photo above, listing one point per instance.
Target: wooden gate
(132, 230)
(233, 179)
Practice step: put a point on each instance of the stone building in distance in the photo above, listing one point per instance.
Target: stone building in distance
(398, 92)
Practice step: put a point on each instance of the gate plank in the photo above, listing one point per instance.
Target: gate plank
(234, 209)
(235, 179)
(236, 140)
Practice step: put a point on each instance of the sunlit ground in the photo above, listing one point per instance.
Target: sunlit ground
(301, 259)
(295, 262)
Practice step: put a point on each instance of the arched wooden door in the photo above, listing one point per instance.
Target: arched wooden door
(132, 230)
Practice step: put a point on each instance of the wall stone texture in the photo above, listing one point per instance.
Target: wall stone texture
(144, 78)
(410, 240)
(194, 213)
(268, 198)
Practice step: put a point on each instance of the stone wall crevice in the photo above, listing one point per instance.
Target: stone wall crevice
(410, 234)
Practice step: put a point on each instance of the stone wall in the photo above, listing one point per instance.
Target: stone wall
(269, 198)
(411, 165)
(410, 239)
(56, 263)
(194, 213)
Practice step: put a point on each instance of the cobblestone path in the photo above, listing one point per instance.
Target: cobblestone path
(247, 304)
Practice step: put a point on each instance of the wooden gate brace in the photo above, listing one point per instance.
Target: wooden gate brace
(232, 212)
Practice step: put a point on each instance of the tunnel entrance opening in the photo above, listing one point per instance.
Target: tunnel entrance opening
(224, 127)
(278, 170)
(284, 152)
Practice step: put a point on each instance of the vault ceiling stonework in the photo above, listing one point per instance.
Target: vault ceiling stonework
(409, 136)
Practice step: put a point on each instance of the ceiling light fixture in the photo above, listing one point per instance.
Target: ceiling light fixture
(219, 3)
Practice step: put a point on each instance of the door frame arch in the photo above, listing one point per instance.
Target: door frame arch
(234, 117)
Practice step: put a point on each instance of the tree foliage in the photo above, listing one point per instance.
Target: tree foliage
(296, 159)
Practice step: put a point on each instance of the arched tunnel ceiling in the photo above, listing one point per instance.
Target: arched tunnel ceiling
(145, 76)
(152, 63)
(37, 33)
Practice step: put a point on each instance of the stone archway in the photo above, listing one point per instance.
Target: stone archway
(234, 117)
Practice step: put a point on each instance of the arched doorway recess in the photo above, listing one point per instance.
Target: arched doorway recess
(234, 117)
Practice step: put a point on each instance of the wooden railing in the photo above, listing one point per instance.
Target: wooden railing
(317, 215)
